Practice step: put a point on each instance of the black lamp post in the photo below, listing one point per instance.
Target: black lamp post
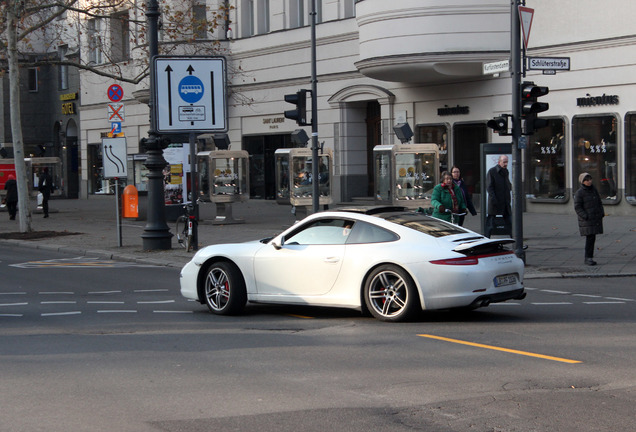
(156, 235)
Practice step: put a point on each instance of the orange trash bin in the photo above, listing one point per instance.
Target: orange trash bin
(131, 202)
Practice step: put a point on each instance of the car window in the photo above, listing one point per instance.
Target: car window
(322, 232)
(426, 224)
(367, 233)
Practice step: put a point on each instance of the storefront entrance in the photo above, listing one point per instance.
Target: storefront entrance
(262, 163)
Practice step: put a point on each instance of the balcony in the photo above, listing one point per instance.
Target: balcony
(424, 41)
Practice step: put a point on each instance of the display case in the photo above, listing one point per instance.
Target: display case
(405, 174)
(223, 176)
(294, 182)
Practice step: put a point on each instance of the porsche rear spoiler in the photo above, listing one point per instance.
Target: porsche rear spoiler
(479, 245)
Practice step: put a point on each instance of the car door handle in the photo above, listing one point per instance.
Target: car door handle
(332, 260)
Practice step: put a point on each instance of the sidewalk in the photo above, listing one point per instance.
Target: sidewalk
(555, 248)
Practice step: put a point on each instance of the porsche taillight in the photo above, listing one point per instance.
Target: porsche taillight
(468, 260)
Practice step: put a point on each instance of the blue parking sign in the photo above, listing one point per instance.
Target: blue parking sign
(115, 127)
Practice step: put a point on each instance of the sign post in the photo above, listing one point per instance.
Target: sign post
(114, 166)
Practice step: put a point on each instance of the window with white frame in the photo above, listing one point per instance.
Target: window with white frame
(296, 13)
(120, 36)
(63, 69)
(254, 17)
(94, 41)
(349, 8)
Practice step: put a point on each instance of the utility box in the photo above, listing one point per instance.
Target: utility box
(405, 174)
(294, 177)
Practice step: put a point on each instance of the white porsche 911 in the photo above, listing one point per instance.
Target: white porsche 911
(388, 261)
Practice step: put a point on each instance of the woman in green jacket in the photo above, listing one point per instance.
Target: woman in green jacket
(447, 196)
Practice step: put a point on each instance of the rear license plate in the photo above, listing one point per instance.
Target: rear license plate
(508, 279)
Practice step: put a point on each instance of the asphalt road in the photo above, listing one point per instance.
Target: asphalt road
(98, 345)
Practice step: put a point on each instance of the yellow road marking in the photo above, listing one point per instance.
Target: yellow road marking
(300, 316)
(525, 353)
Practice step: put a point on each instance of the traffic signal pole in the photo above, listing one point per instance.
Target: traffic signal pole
(315, 172)
(516, 59)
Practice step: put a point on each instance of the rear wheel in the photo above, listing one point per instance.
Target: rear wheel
(224, 289)
(390, 294)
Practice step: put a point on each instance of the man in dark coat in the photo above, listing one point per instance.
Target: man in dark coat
(11, 186)
(45, 186)
(499, 197)
(589, 209)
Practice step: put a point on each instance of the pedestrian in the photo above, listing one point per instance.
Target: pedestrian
(446, 198)
(468, 199)
(45, 186)
(11, 199)
(589, 209)
(499, 197)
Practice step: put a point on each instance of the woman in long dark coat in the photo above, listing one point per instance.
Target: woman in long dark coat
(589, 209)
(12, 196)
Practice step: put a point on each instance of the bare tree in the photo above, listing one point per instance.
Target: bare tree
(34, 26)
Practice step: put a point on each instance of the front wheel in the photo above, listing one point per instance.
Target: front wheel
(390, 294)
(224, 289)
(182, 231)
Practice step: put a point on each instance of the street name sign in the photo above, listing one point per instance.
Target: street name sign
(190, 94)
(548, 63)
(496, 67)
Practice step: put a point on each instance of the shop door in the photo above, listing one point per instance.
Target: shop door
(467, 139)
(262, 163)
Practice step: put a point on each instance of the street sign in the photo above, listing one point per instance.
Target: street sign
(525, 15)
(115, 112)
(548, 63)
(496, 67)
(115, 128)
(115, 93)
(190, 94)
(114, 157)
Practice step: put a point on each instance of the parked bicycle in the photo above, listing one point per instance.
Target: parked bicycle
(186, 224)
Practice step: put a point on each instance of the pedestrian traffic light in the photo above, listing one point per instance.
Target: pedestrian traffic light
(300, 113)
(499, 124)
(530, 107)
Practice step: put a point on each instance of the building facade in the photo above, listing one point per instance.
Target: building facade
(418, 61)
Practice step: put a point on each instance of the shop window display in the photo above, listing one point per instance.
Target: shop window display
(630, 158)
(546, 162)
(435, 134)
(594, 143)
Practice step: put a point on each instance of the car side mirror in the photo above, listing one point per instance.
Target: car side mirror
(277, 244)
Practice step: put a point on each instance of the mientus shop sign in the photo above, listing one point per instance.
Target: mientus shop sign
(590, 101)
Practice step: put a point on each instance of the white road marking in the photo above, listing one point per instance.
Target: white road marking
(55, 292)
(116, 311)
(11, 315)
(104, 292)
(13, 293)
(173, 312)
(105, 302)
(13, 304)
(620, 299)
(604, 302)
(551, 303)
(555, 292)
(61, 313)
(155, 302)
(58, 302)
(151, 290)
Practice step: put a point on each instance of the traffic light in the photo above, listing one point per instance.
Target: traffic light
(499, 124)
(300, 113)
(530, 107)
